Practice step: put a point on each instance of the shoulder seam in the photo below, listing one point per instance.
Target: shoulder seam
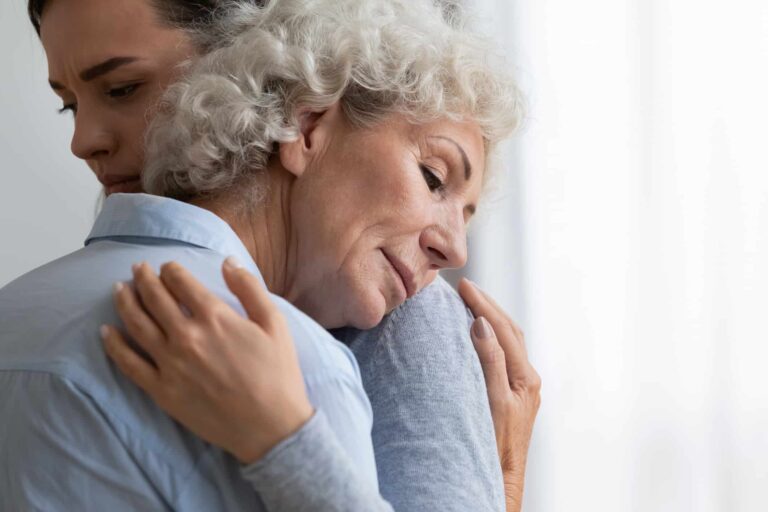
(111, 417)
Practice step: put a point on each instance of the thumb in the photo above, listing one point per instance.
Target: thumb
(492, 358)
(251, 292)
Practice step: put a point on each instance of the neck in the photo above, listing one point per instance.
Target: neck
(260, 217)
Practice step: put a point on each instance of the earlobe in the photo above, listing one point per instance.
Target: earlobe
(293, 158)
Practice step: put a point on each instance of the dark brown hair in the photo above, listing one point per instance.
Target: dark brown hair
(182, 14)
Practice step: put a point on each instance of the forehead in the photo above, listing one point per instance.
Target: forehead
(82, 31)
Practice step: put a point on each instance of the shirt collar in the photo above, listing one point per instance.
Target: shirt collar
(144, 215)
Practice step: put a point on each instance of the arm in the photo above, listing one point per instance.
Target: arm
(59, 451)
(434, 435)
(249, 396)
(309, 471)
(503, 388)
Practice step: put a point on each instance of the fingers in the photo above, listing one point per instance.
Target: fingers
(186, 289)
(483, 304)
(508, 335)
(502, 315)
(140, 326)
(128, 361)
(252, 294)
(157, 300)
(491, 358)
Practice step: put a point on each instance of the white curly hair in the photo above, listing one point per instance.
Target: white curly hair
(222, 122)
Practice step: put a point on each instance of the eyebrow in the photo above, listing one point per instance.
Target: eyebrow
(464, 158)
(98, 70)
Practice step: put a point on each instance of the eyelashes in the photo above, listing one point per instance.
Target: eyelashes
(122, 92)
(430, 177)
(116, 93)
(71, 107)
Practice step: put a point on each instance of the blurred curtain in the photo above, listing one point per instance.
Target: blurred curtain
(629, 237)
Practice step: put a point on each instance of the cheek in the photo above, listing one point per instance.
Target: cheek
(136, 130)
(346, 214)
(132, 124)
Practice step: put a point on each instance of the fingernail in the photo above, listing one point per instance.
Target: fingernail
(482, 329)
(233, 263)
(118, 287)
(104, 331)
(135, 267)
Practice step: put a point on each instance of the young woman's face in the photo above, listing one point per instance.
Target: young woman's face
(110, 61)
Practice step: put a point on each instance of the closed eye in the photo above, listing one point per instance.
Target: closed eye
(433, 181)
(122, 92)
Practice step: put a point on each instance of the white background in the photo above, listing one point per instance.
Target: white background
(637, 216)
(47, 196)
(629, 237)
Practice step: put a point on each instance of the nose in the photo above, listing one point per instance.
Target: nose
(446, 242)
(92, 139)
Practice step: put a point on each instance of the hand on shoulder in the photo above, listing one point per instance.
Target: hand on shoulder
(513, 385)
(233, 381)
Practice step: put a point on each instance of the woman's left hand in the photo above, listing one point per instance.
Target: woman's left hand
(247, 386)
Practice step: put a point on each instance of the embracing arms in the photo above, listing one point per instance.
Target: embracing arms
(513, 400)
(225, 392)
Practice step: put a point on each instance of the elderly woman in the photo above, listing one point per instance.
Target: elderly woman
(263, 139)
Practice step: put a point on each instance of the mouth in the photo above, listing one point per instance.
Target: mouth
(404, 273)
(117, 184)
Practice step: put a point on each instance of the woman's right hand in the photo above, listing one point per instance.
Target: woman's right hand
(513, 386)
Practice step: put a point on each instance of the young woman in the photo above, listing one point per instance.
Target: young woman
(110, 62)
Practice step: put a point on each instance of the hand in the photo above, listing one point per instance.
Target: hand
(233, 381)
(513, 386)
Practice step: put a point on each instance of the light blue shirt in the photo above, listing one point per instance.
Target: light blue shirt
(75, 434)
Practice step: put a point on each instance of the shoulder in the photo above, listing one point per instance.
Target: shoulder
(431, 413)
(321, 356)
(433, 324)
(421, 349)
(438, 306)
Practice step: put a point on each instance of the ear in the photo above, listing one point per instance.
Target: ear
(314, 129)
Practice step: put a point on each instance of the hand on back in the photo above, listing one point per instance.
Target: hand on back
(233, 381)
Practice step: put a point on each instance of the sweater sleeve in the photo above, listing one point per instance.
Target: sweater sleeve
(433, 433)
(310, 471)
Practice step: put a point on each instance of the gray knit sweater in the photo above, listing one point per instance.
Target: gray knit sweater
(432, 433)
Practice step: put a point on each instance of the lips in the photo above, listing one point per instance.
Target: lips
(120, 183)
(402, 270)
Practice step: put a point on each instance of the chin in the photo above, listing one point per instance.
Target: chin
(362, 309)
(366, 309)
(366, 322)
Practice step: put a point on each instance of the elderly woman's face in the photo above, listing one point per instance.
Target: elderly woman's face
(110, 61)
(377, 212)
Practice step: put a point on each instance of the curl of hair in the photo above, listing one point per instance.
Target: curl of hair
(222, 122)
